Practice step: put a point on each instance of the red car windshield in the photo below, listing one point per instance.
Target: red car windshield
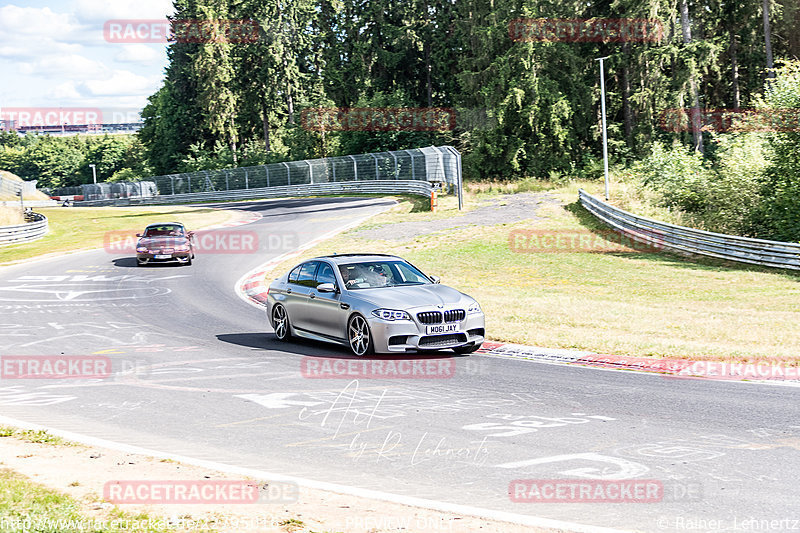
(163, 231)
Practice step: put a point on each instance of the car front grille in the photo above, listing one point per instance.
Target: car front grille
(435, 317)
(441, 341)
(430, 317)
(454, 315)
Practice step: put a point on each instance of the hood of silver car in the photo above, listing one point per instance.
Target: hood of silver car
(411, 296)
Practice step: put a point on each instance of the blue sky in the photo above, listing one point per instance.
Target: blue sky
(54, 54)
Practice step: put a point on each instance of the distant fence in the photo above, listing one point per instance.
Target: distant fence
(9, 187)
(27, 232)
(433, 164)
(107, 191)
(687, 240)
(13, 187)
(420, 188)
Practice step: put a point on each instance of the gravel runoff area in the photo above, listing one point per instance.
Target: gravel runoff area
(506, 208)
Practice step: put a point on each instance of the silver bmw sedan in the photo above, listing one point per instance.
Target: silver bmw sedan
(373, 303)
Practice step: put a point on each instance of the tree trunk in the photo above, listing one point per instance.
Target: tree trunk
(735, 72)
(697, 133)
(428, 87)
(290, 103)
(233, 143)
(265, 123)
(768, 41)
(626, 94)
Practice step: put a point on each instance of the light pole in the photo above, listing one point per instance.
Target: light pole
(94, 174)
(603, 107)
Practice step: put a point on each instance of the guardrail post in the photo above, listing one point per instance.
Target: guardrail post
(413, 174)
(267, 169)
(246, 183)
(288, 174)
(355, 168)
(310, 172)
(377, 173)
(396, 168)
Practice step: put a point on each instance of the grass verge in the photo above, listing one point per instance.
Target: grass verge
(77, 228)
(608, 301)
(28, 506)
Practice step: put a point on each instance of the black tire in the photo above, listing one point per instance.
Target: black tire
(359, 337)
(189, 261)
(280, 322)
(469, 348)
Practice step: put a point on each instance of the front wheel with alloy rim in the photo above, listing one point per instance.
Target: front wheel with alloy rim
(280, 322)
(359, 336)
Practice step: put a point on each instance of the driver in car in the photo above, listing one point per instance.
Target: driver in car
(346, 277)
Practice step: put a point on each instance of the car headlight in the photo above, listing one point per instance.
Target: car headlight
(141, 249)
(391, 314)
(182, 248)
(474, 308)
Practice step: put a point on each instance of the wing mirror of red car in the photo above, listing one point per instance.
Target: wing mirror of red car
(138, 234)
(435, 279)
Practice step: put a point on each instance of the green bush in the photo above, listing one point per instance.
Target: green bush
(779, 215)
(678, 175)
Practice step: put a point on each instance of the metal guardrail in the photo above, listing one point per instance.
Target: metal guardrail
(419, 188)
(27, 232)
(693, 241)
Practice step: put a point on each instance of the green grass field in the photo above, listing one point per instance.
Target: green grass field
(77, 228)
(603, 300)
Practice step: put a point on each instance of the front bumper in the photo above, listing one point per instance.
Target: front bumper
(146, 258)
(401, 336)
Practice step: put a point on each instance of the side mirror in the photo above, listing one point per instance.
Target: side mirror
(326, 287)
(138, 234)
(435, 279)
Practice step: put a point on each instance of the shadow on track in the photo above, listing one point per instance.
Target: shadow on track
(130, 262)
(311, 348)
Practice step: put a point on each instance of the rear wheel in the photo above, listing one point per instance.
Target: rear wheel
(359, 336)
(280, 321)
(469, 348)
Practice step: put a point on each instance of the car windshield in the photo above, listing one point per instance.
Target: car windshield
(166, 230)
(372, 274)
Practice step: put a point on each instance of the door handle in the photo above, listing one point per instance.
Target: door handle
(288, 291)
(312, 295)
